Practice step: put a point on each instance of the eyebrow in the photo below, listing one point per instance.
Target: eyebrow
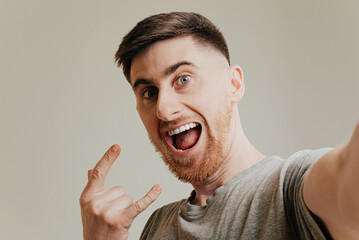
(169, 70)
(141, 81)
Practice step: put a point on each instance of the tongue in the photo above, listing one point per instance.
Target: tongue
(187, 139)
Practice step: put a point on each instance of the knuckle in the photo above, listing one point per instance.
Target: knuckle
(122, 222)
(120, 190)
(128, 199)
(94, 207)
(107, 157)
(110, 217)
(150, 197)
(84, 199)
(97, 173)
(139, 206)
(106, 216)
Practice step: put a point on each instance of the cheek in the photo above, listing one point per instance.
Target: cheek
(213, 97)
(149, 119)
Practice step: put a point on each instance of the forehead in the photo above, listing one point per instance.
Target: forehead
(157, 57)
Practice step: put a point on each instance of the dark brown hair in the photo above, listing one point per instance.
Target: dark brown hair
(164, 26)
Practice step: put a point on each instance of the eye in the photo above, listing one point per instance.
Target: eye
(149, 93)
(183, 80)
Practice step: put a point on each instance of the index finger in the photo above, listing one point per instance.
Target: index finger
(97, 181)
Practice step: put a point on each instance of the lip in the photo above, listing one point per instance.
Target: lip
(169, 140)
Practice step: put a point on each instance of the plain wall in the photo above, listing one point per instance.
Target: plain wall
(64, 101)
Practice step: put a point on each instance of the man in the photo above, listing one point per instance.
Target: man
(186, 93)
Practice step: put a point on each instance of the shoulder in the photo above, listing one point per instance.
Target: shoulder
(300, 162)
(309, 154)
(296, 168)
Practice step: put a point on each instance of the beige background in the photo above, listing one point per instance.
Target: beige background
(64, 102)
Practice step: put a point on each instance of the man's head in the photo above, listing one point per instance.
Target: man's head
(186, 94)
(165, 26)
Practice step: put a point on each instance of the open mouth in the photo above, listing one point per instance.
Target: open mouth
(184, 137)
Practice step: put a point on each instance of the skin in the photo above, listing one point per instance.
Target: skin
(209, 98)
(331, 189)
(109, 213)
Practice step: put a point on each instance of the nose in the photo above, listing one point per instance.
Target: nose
(168, 107)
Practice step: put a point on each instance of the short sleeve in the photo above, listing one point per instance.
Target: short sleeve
(301, 221)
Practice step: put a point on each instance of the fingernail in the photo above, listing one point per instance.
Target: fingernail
(114, 148)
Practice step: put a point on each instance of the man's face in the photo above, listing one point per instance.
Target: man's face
(183, 97)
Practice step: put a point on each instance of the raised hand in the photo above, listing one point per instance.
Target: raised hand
(108, 214)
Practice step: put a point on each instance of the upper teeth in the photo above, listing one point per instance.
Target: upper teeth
(182, 129)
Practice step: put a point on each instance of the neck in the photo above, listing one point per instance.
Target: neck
(241, 155)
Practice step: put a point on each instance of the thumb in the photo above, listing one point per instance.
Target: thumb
(142, 204)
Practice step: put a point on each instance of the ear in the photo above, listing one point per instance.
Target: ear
(237, 83)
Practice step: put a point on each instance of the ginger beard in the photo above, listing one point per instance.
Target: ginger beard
(186, 168)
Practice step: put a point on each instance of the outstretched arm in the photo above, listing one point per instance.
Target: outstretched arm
(331, 189)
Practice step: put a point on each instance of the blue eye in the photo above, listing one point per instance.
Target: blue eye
(184, 79)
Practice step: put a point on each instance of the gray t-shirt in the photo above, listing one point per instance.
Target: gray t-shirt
(263, 202)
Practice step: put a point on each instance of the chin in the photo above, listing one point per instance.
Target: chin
(193, 174)
(198, 164)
